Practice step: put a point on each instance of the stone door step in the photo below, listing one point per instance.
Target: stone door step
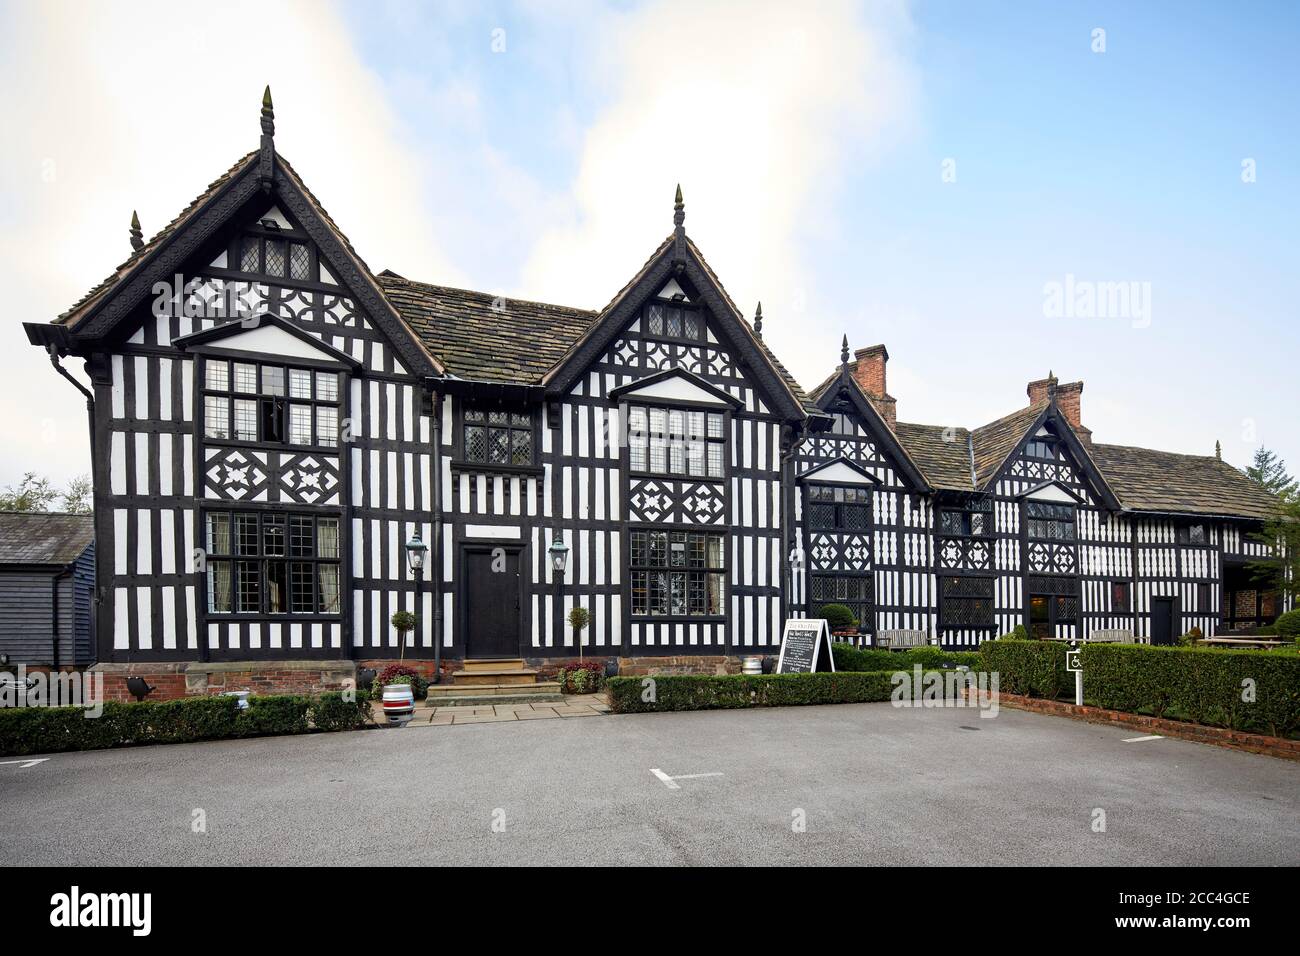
(491, 664)
(503, 675)
(440, 692)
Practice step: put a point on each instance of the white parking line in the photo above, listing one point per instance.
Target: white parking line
(1133, 740)
(24, 764)
(671, 782)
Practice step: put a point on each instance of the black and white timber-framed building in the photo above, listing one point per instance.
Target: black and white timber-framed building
(272, 421)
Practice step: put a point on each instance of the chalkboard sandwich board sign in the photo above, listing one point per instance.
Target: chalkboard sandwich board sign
(805, 646)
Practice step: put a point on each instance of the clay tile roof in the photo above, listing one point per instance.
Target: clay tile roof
(83, 305)
(473, 341)
(37, 537)
(1150, 480)
(993, 442)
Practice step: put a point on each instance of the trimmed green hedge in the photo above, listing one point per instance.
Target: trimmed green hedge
(705, 692)
(1288, 624)
(1029, 668)
(1204, 685)
(850, 658)
(33, 730)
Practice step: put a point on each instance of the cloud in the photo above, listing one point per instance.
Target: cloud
(114, 107)
(759, 110)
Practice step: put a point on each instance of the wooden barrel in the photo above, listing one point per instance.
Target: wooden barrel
(399, 703)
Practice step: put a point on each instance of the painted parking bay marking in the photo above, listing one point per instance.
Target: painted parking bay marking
(671, 782)
(1134, 740)
(24, 764)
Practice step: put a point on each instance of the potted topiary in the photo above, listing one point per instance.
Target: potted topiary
(840, 619)
(403, 623)
(579, 618)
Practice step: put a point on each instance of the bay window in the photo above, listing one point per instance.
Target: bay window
(271, 404)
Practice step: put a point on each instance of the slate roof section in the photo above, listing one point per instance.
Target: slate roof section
(38, 537)
(942, 452)
(992, 443)
(1162, 481)
(517, 345)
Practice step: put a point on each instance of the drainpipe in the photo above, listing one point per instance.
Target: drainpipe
(436, 551)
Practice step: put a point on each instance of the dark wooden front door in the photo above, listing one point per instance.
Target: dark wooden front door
(491, 617)
(1162, 620)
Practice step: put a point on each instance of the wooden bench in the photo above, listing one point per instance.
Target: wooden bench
(1114, 636)
(901, 639)
(1261, 643)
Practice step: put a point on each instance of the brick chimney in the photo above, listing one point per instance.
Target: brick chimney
(1068, 400)
(868, 370)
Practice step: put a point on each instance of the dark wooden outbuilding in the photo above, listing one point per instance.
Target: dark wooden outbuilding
(47, 579)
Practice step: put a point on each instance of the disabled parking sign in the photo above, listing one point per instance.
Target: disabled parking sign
(1073, 661)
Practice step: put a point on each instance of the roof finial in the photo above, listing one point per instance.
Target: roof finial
(758, 320)
(1218, 450)
(679, 210)
(844, 351)
(137, 237)
(268, 113)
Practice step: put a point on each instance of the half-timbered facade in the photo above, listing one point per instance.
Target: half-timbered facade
(1025, 521)
(272, 422)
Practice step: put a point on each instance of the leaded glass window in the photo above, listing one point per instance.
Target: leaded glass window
(299, 261)
(1050, 522)
(677, 573)
(972, 518)
(674, 320)
(835, 507)
(498, 436)
(965, 602)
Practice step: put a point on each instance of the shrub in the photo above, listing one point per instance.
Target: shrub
(850, 658)
(838, 616)
(581, 677)
(1205, 685)
(402, 674)
(705, 692)
(330, 712)
(1031, 668)
(32, 730)
(1018, 633)
(1288, 624)
(278, 714)
(1193, 636)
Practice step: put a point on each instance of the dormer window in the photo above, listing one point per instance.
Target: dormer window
(972, 519)
(674, 320)
(1195, 533)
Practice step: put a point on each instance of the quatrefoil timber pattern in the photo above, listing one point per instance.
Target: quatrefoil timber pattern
(965, 554)
(658, 500)
(840, 552)
(1052, 558)
(236, 474)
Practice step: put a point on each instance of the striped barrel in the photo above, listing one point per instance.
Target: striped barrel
(399, 703)
(752, 665)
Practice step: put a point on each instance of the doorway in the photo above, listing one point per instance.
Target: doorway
(491, 601)
(1162, 620)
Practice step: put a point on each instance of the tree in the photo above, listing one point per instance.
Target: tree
(79, 497)
(1269, 472)
(34, 493)
(1280, 571)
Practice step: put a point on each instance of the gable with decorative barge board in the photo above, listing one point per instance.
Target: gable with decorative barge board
(240, 516)
(863, 518)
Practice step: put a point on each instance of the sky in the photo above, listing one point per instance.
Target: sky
(1109, 191)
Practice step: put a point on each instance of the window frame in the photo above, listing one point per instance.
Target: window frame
(684, 307)
(286, 402)
(1127, 605)
(811, 500)
(1055, 521)
(263, 235)
(1183, 534)
(669, 407)
(720, 570)
(284, 562)
(966, 510)
(946, 601)
(534, 427)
